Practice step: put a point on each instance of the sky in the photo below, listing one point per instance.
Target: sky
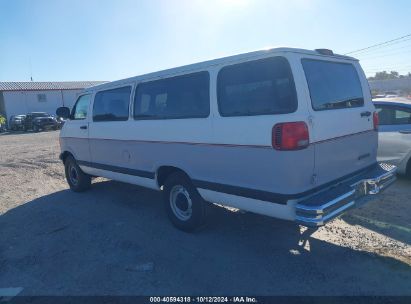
(69, 40)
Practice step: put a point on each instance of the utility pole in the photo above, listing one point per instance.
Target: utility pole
(31, 70)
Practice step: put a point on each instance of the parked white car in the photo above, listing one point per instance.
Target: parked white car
(394, 141)
(287, 133)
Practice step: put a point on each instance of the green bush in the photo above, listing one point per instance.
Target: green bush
(2, 120)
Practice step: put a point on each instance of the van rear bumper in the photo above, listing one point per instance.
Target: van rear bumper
(328, 204)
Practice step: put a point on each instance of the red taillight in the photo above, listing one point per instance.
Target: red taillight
(290, 136)
(376, 120)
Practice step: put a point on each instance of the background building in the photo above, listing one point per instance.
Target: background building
(398, 85)
(23, 97)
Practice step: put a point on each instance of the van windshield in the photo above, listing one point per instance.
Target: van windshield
(333, 85)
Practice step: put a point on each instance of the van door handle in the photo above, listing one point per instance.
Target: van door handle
(83, 127)
(405, 131)
(365, 114)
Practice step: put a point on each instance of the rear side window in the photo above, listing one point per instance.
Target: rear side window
(391, 115)
(333, 85)
(258, 87)
(112, 105)
(184, 96)
(80, 108)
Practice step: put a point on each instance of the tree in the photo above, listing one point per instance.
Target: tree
(384, 75)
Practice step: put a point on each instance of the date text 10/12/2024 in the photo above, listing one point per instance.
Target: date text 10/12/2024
(203, 300)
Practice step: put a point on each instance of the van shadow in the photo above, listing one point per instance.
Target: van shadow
(390, 215)
(116, 240)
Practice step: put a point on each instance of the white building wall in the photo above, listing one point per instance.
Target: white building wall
(22, 102)
(70, 97)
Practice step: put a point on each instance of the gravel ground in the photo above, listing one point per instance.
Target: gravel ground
(115, 240)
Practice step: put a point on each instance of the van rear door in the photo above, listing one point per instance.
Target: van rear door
(341, 112)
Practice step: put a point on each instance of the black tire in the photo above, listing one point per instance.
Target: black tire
(36, 128)
(76, 178)
(179, 193)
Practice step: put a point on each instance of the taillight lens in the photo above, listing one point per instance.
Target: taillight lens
(290, 136)
(376, 120)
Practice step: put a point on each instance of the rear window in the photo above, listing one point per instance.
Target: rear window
(393, 115)
(333, 85)
(257, 88)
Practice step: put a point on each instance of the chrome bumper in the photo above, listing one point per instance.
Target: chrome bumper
(327, 205)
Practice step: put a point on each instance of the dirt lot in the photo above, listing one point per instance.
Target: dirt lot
(115, 240)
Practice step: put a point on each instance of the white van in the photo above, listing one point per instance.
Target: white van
(287, 133)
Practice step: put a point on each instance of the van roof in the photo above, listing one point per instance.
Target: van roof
(208, 63)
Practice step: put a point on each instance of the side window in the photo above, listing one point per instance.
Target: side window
(390, 115)
(258, 87)
(184, 96)
(112, 105)
(80, 108)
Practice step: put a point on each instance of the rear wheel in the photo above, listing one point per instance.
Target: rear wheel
(76, 178)
(185, 207)
(36, 128)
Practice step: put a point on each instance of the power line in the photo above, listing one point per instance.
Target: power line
(385, 55)
(378, 48)
(378, 44)
(381, 52)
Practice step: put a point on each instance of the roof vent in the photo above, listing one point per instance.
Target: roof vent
(325, 52)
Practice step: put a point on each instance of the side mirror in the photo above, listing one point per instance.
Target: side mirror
(63, 112)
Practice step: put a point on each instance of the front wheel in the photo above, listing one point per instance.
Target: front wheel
(185, 207)
(76, 178)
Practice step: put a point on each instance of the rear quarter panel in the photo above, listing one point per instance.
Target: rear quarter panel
(344, 142)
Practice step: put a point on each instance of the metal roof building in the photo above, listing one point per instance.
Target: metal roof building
(42, 86)
(24, 97)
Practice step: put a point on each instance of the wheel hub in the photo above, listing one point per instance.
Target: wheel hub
(73, 175)
(181, 203)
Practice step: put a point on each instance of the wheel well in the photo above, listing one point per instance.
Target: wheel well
(165, 171)
(64, 155)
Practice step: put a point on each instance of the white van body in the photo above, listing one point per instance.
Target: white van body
(232, 159)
